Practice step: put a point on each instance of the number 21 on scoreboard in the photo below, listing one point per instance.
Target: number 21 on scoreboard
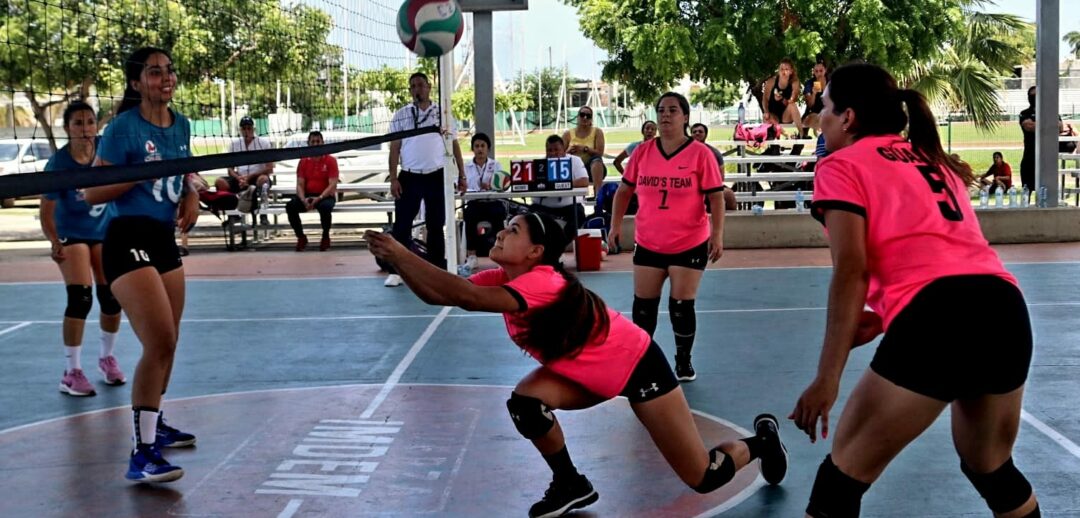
(522, 172)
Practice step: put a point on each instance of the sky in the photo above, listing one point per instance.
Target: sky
(553, 24)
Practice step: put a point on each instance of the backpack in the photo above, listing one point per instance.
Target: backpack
(605, 200)
(755, 135)
(247, 201)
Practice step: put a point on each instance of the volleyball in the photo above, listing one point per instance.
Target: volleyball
(430, 28)
(500, 180)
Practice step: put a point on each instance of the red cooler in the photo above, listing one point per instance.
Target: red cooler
(588, 247)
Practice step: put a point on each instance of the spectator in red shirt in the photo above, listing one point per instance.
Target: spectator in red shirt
(316, 188)
(1002, 173)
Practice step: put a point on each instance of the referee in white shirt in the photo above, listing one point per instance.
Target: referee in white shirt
(421, 176)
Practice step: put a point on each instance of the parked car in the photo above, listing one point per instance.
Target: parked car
(23, 156)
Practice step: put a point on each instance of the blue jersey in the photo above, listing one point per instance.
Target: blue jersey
(73, 216)
(130, 139)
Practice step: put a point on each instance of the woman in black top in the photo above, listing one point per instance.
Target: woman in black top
(812, 97)
(781, 95)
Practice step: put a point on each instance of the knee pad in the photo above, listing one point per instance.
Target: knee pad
(720, 471)
(79, 300)
(835, 495)
(683, 317)
(644, 313)
(531, 416)
(1004, 489)
(106, 301)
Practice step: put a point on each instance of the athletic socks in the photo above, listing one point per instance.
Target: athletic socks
(561, 465)
(144, 424)
(108, 343)
(71, 354)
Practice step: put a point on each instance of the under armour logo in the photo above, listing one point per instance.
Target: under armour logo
(645, 391)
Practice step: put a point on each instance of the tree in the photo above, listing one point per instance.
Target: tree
(965, 73)
(715, 95)
(547, 95)
(1073, 39)
(59, 50)
(463, 103)
(652, 45)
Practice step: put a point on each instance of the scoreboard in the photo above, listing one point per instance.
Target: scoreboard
(542, 174)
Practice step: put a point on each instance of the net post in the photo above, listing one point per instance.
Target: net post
(450, 172)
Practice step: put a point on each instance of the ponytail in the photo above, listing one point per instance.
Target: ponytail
(132, 98)
(923, 135)
(871, 92)
(578, 316)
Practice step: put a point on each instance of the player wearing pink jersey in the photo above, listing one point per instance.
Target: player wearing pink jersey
(588, 353)
(906, 241)
(674, 236)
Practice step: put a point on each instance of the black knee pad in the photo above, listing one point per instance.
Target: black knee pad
(1004, 489)
(79, 300)
(644, 313)
(106, 301)
(835, 495)
(720, 471)
(531, 416)
(683, 317)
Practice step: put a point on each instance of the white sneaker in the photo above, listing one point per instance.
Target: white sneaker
(392, 281)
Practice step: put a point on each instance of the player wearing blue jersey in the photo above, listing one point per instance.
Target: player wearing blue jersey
(140, 255)
(76, 229)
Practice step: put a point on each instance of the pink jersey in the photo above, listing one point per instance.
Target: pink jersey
(920, 226)
(604, 366)
(671, 193)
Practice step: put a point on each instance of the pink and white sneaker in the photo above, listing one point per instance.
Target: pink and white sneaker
(74, 383)
(111, 370)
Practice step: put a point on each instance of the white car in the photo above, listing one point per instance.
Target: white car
(371, 162)
(23, 156)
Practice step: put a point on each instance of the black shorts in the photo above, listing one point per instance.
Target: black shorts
(960, 337)
(696, 258)
(652, 377)
(134, 242)
(68, 241)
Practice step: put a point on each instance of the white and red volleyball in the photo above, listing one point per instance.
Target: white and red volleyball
(430, 28)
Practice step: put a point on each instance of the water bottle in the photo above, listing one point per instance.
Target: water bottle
(1024, 195)
(742, 113)
(984, 197)
(758, 209)
(1042, 197)
(1013, 201)
(999, 199)
(800, 200)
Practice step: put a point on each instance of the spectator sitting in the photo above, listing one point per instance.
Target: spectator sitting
(648, 132)
(241, 177)
(700, 133)
(478, 174)
(586, 142)
(780, 96)
(565, 208)
(812, 93)
(316, 188)
(1002, 173)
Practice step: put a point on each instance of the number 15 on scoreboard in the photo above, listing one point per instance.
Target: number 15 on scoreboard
(558, 170)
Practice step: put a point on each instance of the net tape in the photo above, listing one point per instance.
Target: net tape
(29, 184)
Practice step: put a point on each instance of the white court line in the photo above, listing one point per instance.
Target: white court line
(1053, 434)
(14, 327)
(395, 376)
(294, 505)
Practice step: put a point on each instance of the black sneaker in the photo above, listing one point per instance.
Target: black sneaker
(684, 371)
(562, 497)
(774, 458)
